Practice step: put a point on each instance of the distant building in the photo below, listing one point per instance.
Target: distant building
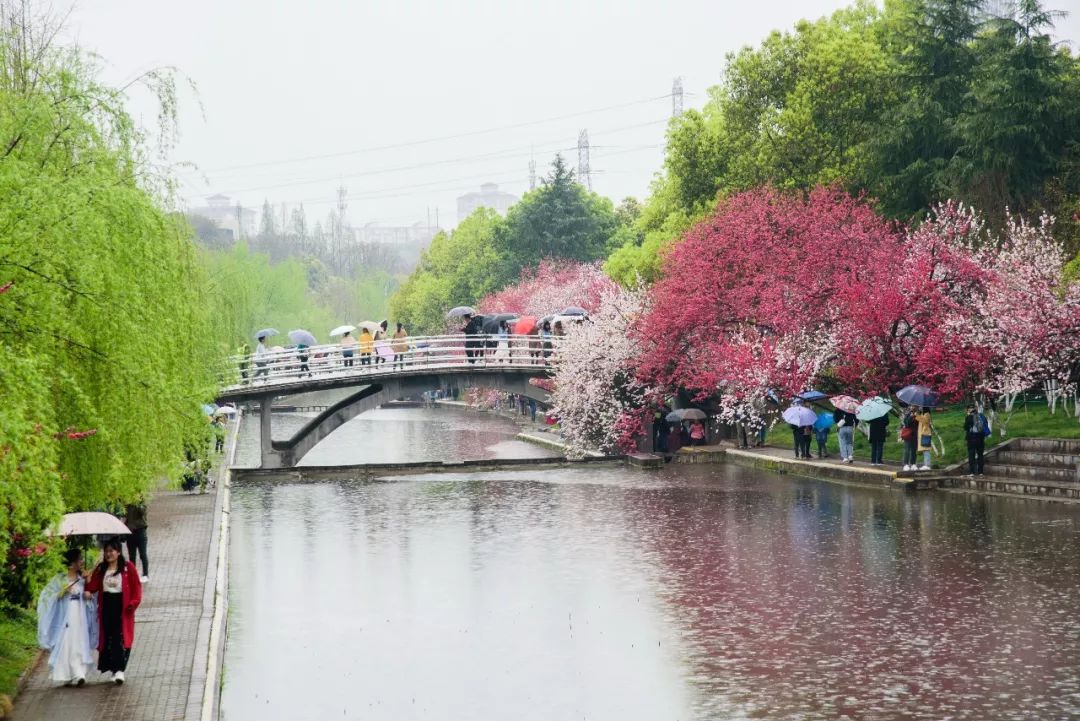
(416, 234)
(220, 210)
(489, 197)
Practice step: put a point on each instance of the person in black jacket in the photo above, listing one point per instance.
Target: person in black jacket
(879, 428)
(975, 427)
(473, 326)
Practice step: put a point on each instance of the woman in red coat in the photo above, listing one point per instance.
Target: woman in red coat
(119, 591)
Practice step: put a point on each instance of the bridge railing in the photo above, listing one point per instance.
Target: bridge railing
(390, 355)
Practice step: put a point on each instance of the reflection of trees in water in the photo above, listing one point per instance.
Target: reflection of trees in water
(812, 599)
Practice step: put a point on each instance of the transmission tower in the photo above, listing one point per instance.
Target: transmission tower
(676, 98)
(583, 159)
(532, 175)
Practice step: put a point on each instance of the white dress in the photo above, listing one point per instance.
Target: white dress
(70, 663)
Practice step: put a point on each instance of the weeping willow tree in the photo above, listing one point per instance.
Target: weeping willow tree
(106, 347)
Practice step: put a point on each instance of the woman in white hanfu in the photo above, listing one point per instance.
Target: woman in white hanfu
(67, 623)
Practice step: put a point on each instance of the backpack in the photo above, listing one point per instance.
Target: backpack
(978, 425)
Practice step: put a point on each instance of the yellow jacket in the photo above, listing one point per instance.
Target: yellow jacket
(367, 343)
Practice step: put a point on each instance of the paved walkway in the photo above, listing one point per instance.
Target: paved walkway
(171, 628)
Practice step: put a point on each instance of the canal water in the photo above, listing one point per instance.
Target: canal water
(614, 594)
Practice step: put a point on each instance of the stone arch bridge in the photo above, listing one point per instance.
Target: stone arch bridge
(429, 364)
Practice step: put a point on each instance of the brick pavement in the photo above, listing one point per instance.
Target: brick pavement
(166, 629)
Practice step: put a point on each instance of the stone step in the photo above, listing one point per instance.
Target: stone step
(1036, 458)
(1048, 445)
(1032, 473)
(997, 484)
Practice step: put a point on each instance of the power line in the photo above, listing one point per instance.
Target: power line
(442, 138)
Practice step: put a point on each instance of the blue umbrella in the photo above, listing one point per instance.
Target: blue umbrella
(824, 420)
(872, 408)
(266, 332)
(812, 396)
(209, 409)
(302, 337)
(918, 396)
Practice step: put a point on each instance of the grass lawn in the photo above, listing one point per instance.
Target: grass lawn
(18, 645)
(1032, 421)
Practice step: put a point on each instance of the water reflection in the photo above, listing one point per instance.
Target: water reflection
(695, 592)
(398, 435)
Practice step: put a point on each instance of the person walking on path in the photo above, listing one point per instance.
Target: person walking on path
(400, 346)
(926, 436)
(67, 623)
(348, 349)
(909, 432)
(845, 433)
(136, 521)
(879, 428)
(379, 341)
(118, 591)
(261, 358)
(976, 429)
(367, 345)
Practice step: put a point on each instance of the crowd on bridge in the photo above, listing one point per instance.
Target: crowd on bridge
(488, 338)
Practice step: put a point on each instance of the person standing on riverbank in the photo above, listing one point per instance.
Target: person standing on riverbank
(118, 591)
(909, 429)
(879, 428)
(67, 623)
(976, 428)
(926, 436)
(136, 521)
(845, 433)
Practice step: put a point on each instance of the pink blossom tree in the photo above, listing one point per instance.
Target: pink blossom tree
(752, 295)
(549, 287)
(597, 398)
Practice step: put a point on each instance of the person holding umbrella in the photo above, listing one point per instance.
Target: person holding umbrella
(926, 436)
(115, 584)
(844, 417)
(879, 428)
(473, 326)
(367, 345)
(261, 354)
(822, 426)
(801, 419)
(67, 623)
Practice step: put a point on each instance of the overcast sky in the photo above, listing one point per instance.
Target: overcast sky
(301, 97)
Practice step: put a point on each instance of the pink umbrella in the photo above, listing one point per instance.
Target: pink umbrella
(89, 523)
(845, 403)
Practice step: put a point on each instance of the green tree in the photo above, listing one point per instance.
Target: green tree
(1012, 129)
(106, 345)
(560, 219)
(458, 268)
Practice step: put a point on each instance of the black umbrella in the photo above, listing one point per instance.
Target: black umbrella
(574, 310)
(492, 322)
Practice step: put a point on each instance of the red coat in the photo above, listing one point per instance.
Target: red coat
(131, 597)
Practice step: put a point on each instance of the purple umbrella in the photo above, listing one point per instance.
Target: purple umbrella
(800, 416)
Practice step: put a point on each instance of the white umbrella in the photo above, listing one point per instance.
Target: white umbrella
(90, 523)
(342, 330)
(371, 325)
(225, 411)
